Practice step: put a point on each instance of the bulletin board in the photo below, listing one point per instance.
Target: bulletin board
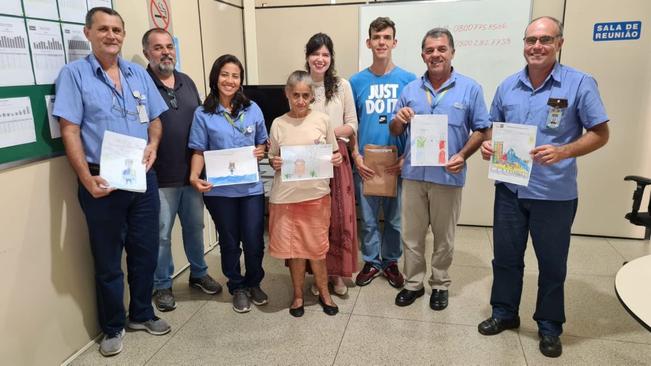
(37, 38)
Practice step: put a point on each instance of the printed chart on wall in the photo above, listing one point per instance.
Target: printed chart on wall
(37, 39)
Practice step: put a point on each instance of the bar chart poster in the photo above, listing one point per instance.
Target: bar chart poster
(45, 9)
(47, 50)
(76, 44)
(16, 122)
(15, 64)
(72, 10)
(11, 7)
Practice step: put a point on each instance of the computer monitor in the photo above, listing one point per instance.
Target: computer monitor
(270, 98)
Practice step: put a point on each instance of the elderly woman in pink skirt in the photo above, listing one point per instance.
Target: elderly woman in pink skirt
(299, 211)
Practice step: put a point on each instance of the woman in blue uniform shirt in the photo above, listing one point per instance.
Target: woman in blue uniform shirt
(228, 119)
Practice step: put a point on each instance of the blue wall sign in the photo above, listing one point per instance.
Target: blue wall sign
(617, 31)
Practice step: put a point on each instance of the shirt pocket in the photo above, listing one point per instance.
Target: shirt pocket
(458, 115)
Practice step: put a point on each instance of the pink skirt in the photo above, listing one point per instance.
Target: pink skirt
(299, 230)
(342, 255)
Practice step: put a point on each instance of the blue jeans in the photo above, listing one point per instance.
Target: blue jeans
(550, 224)
(188, 204)
(239, 219)
(123, 220)
(379, 250)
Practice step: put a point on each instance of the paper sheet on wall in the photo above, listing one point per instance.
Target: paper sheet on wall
(44, 9)
(74, 41)
(231, 166)
(121, 162)
(16, 122)
(512, 144)
(15, 63)
(428, 136)
(11, 7)
(47, 50)
(73, 10)
(306, 162)
(96, 3)
(53, 122)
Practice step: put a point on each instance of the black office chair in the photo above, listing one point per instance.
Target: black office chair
(635, 217)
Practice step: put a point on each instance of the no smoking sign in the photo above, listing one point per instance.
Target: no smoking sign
(160, 14)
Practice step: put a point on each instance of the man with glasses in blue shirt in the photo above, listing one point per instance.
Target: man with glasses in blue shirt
(431, 195)
(100, 93)
(172, 168)
(560, 101)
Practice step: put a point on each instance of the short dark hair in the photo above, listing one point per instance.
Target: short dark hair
(437, 33)
(380, 24)
(101, 9)
(558, 24)
(145, 37)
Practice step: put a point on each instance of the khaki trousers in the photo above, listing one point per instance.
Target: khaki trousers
(428, 204)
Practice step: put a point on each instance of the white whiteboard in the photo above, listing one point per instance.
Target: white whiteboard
(487, 35)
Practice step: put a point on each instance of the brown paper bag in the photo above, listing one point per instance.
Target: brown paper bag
(379, 158)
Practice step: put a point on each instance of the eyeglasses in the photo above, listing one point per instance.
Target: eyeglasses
(544, 40)
(173, 103)
(122, 110)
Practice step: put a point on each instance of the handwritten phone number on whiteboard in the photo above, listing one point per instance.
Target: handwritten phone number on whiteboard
(483, 42)
(479, 27)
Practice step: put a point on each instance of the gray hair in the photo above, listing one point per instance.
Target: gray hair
(300, 76)
(101, 9)
(556, 21)
(437, 33)
(145, 37)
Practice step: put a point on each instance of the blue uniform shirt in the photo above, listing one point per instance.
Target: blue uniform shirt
(86, 96)
(517, 102)
(212, 131)
(375, 98)
(463, 103)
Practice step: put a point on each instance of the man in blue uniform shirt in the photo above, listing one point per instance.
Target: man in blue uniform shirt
(431, 195)
(560, 102)
(99, 93)
(376, 90)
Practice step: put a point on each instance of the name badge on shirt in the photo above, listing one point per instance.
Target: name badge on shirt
(142, 113)
(555, 114)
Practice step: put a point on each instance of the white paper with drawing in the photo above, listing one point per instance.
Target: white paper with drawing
(121, 162)
(511, 161)
(231, 166)
(429, 140)
(306, 162)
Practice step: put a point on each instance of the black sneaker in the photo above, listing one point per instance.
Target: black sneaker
(164, 299)
(257, 296)
(206, 284)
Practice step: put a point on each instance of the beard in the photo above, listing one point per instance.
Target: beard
(166, 68)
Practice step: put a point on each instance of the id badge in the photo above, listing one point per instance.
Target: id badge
(554, 117)
(142, 113)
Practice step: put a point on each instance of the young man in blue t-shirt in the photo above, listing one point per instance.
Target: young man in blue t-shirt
(376, 90)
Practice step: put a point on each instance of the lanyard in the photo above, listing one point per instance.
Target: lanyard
(232, 122)
(438, 99)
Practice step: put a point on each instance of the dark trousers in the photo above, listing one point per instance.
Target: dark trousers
(239, 219)
(123, 220)
(549, 223)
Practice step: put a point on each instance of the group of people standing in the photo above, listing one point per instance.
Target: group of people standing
(313, 224)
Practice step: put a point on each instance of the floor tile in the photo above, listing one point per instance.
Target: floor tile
(216, 335)
(591, 309)
(631, 248)
(468, 302)
(586, 351)
(376, 341)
